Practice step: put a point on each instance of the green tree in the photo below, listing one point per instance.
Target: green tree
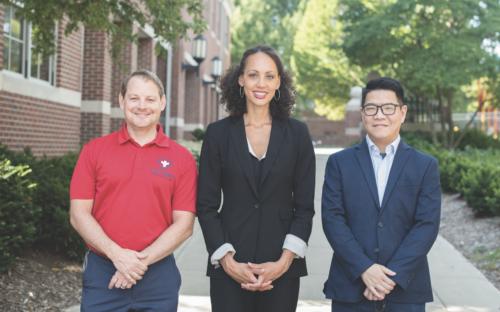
(434, 47)
(164, 16)
(271, 22)
(324, 74)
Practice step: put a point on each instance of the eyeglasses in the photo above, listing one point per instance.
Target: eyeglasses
(372, 109)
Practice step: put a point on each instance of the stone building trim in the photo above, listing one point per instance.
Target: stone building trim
(177, 122)
(193, 126)
(42, 90)
(116, 112)
(102, 107)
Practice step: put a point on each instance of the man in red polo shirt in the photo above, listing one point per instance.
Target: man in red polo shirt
(133, 202)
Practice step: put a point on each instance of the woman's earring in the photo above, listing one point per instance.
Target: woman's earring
(279, 95)
(242, 93)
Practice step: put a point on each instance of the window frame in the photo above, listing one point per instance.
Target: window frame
(27, 46)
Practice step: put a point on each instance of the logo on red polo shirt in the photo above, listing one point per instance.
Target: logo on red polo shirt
(161, 168)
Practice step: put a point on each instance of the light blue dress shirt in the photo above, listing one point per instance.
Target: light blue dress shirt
(382, 165)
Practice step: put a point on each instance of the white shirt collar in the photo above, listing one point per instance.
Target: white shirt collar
(390, 149)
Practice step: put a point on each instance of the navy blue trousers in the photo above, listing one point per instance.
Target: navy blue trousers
(377, 306)
(158, 290)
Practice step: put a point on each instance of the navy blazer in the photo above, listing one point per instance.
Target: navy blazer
(397, 234)
(256, 218)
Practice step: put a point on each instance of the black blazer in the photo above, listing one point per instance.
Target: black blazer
(254, 222)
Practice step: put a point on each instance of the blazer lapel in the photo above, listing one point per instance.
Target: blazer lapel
(365, 162)
(278, 132)
(240, 143)
(400, 158)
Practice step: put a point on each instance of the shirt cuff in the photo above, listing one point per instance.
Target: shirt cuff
(295, 245)
(220, 253)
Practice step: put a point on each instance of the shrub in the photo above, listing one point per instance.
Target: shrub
(17, 213)
(198, 134)
(475, 138)
(50, 201)
(54, 232)
(481, 188)
(452, 167)
(472, 172)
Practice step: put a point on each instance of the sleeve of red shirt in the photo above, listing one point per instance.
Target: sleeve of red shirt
(82, 184)
(184, 197)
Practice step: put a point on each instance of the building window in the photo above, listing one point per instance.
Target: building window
(18, 51)
(14, 40)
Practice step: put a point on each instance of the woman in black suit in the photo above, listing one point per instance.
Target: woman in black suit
(259, 163)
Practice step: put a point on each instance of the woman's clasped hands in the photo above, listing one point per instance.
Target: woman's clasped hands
(257, 277)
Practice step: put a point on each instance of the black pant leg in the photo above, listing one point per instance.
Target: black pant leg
(282, 298)
(226, 295)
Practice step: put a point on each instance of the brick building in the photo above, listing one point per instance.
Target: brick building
(56, 104)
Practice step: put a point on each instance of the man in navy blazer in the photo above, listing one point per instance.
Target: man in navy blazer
(380, 210)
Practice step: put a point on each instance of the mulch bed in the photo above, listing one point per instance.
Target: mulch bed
(478, 239)
(40, 282)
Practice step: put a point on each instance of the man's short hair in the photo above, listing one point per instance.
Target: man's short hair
(384, 83)
(145, 74)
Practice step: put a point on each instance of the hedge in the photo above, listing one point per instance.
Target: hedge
(37, 215)
(18, 216)
(472, 172)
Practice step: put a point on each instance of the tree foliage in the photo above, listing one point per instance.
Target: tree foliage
(271, 22)
(308, 38)
(164, 16)
(434, 47)
(324, 74)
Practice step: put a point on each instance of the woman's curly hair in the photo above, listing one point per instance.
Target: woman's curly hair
(236, 105)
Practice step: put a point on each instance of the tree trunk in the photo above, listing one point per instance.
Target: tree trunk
(442, 114)
(430, 115)
(449, 117)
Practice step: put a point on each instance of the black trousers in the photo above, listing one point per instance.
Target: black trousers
(227, 295)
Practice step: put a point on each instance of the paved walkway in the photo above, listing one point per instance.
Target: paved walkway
(458, 286)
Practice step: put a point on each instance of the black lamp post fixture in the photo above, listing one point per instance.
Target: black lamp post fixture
(216, 72)
(199, 48)
(199, 53)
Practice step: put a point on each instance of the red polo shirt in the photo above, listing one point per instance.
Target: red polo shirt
(134, 188)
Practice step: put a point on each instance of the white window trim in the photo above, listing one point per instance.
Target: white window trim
(26, 57)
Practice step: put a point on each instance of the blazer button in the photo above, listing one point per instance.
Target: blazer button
(380, 224)
(256, 206)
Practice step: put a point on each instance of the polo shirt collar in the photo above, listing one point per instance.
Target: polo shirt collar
(160, 140)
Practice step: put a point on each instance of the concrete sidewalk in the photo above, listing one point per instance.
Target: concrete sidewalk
(458, 286)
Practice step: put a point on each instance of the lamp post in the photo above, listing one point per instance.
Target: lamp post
(216, 71)
(198, 54)
(199, 49)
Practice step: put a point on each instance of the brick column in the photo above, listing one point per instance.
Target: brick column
(177, 109)
(193, 101)
(146, 55)
(125, 63)
(96, 86)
